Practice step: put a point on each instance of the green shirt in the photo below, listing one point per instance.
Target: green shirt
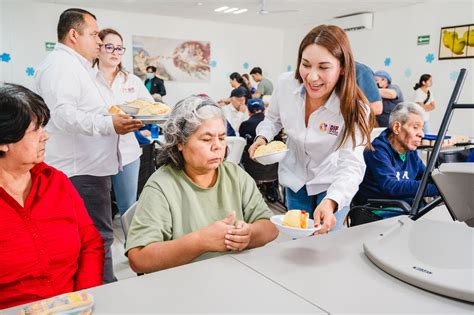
(265, 87)
(171, 205)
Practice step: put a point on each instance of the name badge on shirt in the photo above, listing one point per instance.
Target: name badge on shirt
(330, 129)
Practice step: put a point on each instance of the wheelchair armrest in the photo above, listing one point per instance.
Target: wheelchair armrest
(390, 203)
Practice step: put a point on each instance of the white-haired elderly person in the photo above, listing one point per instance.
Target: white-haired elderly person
(196, 205)
(394, 169)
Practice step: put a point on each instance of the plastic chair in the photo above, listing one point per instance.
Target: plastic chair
(376, 132)
(126, 219)
(236, 147)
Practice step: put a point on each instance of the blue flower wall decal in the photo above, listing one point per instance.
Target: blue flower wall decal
(30, 71)
(429, 58)
(5, 57)
(213, 63)
(408, 73)
(246, 65)
(387, 61)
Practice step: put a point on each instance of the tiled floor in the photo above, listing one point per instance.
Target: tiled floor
(121, 267)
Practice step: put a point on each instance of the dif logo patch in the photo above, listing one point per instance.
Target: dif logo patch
(330, 129)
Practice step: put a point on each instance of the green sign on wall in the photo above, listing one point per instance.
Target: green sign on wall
(423, 40)
(49, 46)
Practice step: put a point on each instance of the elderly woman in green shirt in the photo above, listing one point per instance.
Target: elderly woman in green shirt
(196, 205)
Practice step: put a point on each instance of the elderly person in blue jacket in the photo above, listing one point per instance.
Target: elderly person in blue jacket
(394, 169)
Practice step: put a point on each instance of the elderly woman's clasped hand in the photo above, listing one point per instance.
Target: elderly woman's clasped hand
(221, 235)
(239, 237)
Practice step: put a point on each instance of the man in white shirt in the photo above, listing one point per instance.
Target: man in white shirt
(236, 112)
(83, 141)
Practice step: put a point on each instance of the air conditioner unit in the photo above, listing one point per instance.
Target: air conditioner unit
(354, 22)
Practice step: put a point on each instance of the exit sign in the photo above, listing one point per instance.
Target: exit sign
(49, 46)
(423, 40)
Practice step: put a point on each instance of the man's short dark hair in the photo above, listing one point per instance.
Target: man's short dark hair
(152, 68)
(256, 70)
(71, 18)
(18, 108)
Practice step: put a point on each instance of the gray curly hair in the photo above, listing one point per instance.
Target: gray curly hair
(184, 120)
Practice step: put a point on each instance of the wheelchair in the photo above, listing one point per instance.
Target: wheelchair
(375, 210)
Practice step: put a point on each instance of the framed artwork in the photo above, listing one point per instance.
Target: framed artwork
(174, 59)
(456, 42)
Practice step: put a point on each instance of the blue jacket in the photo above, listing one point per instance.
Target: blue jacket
(389, 177)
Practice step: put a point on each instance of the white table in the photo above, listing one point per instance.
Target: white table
(219, 285)
(333, 272)
(324, 274)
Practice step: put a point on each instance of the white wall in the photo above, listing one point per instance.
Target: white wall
(395, 35)
(24, 32)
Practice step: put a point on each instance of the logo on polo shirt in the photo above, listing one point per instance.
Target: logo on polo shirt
(330, 129)
(323, 126)
(333, 130)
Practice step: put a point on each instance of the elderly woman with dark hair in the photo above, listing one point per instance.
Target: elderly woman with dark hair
(49, 243)
(196, 205)
(394, 169)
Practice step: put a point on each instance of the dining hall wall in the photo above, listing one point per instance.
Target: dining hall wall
(24, 29)
(393, 40)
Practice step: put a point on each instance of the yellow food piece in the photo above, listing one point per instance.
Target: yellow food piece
(296, 218)
(115, 110)
(271, 147)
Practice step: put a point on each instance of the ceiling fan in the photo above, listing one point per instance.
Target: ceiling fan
(264, 11)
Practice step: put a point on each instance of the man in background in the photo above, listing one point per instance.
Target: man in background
(264, 87)
(236, 111)
(154, 85)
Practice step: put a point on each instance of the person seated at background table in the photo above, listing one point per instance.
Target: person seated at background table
(391, 96)
(394, 169)
(236, 112)
(237, 82)
(196, 205)
(267, 175)
(248, 84)
(49, 243)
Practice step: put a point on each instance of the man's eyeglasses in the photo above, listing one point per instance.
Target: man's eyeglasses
(110, 48)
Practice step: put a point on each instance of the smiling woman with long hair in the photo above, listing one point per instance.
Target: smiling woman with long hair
(328, 123)
(49, 243)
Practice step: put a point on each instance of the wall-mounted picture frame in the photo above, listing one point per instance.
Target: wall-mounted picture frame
(174, 59)
(456, 42)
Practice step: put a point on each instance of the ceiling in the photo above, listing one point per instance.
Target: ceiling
(309, 12)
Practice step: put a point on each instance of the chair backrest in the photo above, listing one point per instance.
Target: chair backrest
(236, 147)
(127, 217)
(376, 132)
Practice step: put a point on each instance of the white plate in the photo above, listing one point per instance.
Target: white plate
(130, 110)
(292, 231)
(151, 119)
(271, 157)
